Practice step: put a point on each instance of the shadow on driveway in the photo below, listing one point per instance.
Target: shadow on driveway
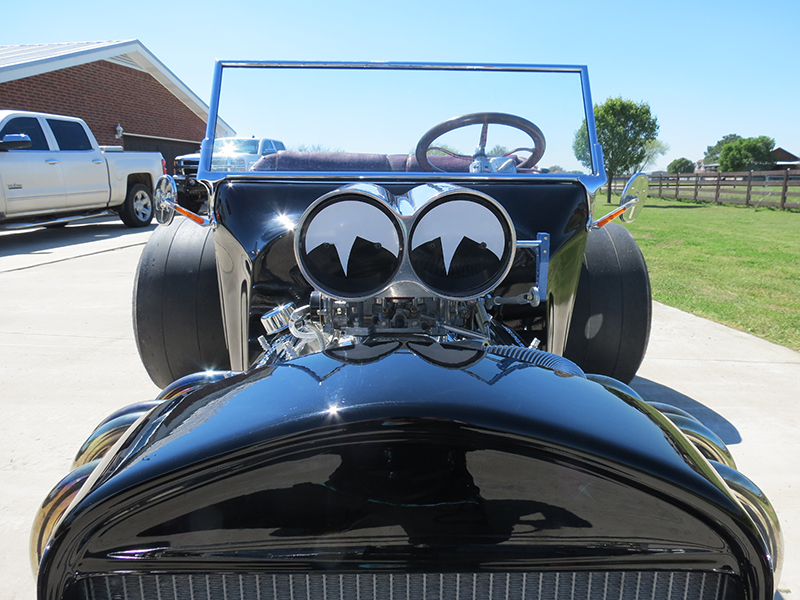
(43, 241)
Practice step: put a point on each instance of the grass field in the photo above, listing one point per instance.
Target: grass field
(734, 265)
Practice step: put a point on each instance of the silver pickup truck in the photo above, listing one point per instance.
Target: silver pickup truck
(52, 171)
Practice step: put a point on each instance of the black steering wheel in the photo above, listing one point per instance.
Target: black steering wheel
(483, 118)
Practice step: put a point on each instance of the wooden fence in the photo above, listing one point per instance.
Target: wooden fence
(779, 189)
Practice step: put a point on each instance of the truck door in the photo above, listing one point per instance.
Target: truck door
(32, 177)
(85, 173)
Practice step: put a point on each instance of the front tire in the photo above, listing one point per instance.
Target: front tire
(177, 316)
(137, 210)
(610, 324)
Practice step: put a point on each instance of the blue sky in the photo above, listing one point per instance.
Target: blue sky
(706, 68)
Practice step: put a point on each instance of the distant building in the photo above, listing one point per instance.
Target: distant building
(785, 160)
(124, 93)
(700, 166)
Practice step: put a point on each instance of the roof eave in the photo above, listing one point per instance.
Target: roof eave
(136, 51)
(149, 63)
(73, 58)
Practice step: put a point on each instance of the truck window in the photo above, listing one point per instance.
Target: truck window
(30, 127)
(70, 135)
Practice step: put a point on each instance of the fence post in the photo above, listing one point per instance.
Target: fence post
(677, 183)
(749, 187)
(660, 181)
(785, 189)
(716, 194)
(696, 183)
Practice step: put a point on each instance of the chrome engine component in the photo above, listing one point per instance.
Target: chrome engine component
(420, 264)
(336, 322)
(360, 242)
(277, 319)
(432, 316)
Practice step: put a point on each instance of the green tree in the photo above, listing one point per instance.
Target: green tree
(623, 129)
(560, 169)
(652, 150)
(713, 152)
(748, 154)
(681, 165)
(314, 148)
(442, 149)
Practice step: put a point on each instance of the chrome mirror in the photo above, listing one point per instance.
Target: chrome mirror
(165, 199)
(634, 195)
(15, 141)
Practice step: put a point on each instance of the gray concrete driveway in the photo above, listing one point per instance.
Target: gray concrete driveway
(68, 358)
(747, 391)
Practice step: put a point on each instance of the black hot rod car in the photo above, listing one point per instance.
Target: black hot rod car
(394, 374)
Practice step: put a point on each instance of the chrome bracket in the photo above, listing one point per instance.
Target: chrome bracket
(541, 249)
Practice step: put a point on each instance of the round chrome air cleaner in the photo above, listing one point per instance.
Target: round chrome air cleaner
(349, 244)
(462, 244)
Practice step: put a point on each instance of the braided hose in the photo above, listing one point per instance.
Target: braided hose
(540, 358)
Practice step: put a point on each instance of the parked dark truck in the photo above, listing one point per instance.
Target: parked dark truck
(393, 374)
(238, 154)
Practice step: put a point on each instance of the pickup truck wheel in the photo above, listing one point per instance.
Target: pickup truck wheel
(177, 316)
(137, 210)
(610, 324)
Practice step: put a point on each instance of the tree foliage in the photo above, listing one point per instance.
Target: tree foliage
(314, 148)
(713, 152)
(580, 146)
(498, 150)
(623, 129)
(748, 154)
(681, 165)
(442, 149)
(652, 150)
(560, 169)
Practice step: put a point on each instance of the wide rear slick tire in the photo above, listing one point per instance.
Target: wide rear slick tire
(610, 324)
(177, 319)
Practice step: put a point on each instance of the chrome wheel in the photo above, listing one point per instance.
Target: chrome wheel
(138, 208)
(142, 205)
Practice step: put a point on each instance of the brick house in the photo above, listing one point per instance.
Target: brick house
(124, 93)
(785, 159)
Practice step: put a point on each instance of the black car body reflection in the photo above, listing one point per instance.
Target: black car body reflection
(501, 463)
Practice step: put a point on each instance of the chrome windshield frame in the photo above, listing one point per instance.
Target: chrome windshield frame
(591, 181)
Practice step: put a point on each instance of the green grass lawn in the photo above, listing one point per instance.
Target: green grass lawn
(734, 265)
